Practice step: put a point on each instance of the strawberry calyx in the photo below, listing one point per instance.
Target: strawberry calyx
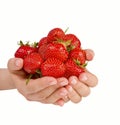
(34, 44)
(79, 63)
(66, 44)
(70, 47)
(84, 65)
(20, 43)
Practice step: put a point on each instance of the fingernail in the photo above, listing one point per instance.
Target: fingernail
(73, 81)
(90, 54)
(63, 93)
(63, 83)
(70, 89)
(66, 97)
(83, 77)
(61, 103)
(18, 62)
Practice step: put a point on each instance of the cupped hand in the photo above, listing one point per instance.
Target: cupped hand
(46, 90)
(80, 86)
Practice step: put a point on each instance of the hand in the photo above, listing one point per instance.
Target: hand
(80, 87)
(46, 90)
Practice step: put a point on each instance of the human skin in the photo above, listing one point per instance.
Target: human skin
(48, 90)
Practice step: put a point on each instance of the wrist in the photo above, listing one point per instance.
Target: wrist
(6, 81)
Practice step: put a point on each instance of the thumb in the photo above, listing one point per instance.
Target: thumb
(15, 64)
(89, 54)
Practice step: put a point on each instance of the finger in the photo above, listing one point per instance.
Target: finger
(15, 64)
(36, 85)
(60, 102)
(58, 94)
(62, 81)
(89, 54)
(79, 87)
(44, 93)
(89, 79)
(73, 95)
(49, 90)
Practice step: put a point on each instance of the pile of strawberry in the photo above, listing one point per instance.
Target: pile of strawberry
(58, 54)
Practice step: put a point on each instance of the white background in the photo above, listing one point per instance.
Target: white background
(97, 23)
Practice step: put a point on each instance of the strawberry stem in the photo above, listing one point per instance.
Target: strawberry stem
(66, 30)
(28, 79)
(39, 72)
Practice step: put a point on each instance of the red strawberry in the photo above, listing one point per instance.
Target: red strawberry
(53, 67)
(55, 34)
(42, 41)
(72, 69)
(78, 55)
(32, 63)
(75, 42)
(56, 50)
(42, 46)
(24, 50)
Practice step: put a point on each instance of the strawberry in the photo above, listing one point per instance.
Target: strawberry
(53, 67)
(25, 49)
(42, 46)
(72, 69)
(55, 34)
(79, 55)
(56, 50)
(32, 63)
(42, 41)
(58, 55)
(75, 42)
